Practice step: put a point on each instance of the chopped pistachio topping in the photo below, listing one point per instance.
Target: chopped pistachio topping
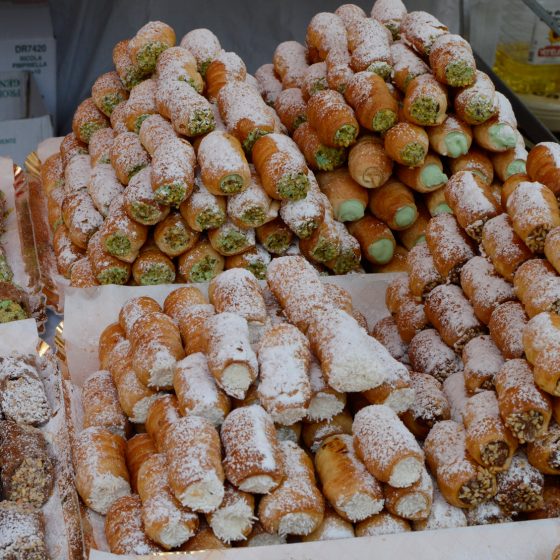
(87, 130)
(459, 73)
(380, 68)
(254, 217)
(232, 241)
(176, 238)
(293, 186)
(201, 122)
(413, 154)
(204, 66)
(172, 194)
(204, 270)
(157, 273)
(231, 184)
(345, 262)
(480, 108)
(425, 110)
(147, 56)
(252, 137)
(258, 268)
(328, 158)
(139, 120)
(6, 274)
(345, 135)
(11, 311)
(307, 228)
(210, 218)
(324, 250)
(318, 85)
(146, 214)
(278, 243)
(110, 101)
(113, 275)
(118, 245)
(383, 120)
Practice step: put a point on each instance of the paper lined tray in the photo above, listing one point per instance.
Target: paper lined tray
(61, 513)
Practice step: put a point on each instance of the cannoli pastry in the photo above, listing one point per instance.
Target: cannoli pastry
(451, 138)
(489, 442)
(275, 236)
(109, 339)
(52, 173)
(484, 288)
(375, 238)
(303, 216)
(77, 174)
(407, 144)
(387, 448)
(251, 207)
(420, 30)
(130, 312)
(325, 402)
(291, 108)
(533, 210)
(104, 187)
(477, 162)
(551, 248)
(413, 503)
(101, 404)
(253, 459)
(425, 102)
(88, 119)
(270, 87)
(23, 531)
(386, 332)
(284, 389)
(66, 253)
(154, 131)
(152, 266)
(324, 243)
(425, 178)
(296, 507)
(499, 133)
(244, 113)
(138, 448)
(325, 32)
(551, 501)
(503, 246)
(332, 527)
(231, 360)
(233, 519)
(471, 201)
(390, 13)
(315, 79)
(369, 42)
(314, 433)
(543, 453)
(524, 408)
(428, 353)
(414, 234)
(462, 482)
(506, 327)
(106, 268)
(368, 163)
(203, 210)
(255, 260)
(128, 72)
(165, 521)
(406, 65)
(203, 45)
(531, 271)
(141, 104)
(443, 515)
(108, 91)
(452, 60)
(449, 246)
(383, 523)
(201, 263)
(410, 317)
(177, 63)
(100, 466)
(429, 407)
(317, 155)
(124, 529)
(482, 360)
(422, 274)
(128, 156)
(376, 108)
(488, 513)
(119, 118)
(290, 63)
(149, 42)
(229, 239)
(339, 70)
(350, 254)
(520, 489)
(193, 451)
(140, 202)
(395, 392)
(543, 165)
(173, 236)
(476, 103)
(512, 161)
(237, 291)
(350, 489)
(71, 146)
(332, 118)
(347, 198)
(163, 412)
(204, 539)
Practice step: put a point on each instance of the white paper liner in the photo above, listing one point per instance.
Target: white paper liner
(48, 147)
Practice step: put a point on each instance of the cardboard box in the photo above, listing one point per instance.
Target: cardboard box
(27, 44)
(29, 124)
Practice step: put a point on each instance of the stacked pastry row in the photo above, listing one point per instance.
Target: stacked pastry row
(400, 100)
(253, 420)
(130, 199)
(26, 469)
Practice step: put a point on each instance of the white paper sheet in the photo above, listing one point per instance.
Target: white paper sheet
(48, 147)
(19, 337)
(88, 311)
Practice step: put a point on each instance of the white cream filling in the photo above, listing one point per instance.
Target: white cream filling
(288, 416)
(260, 484)
(400, 400)
(406, 472)
(140, 409)
(236, 379)
(204, 496)
(324, 407)
(233, 522)
(297, 524)
(412, 505)
(161, 372)
(360, 506)
(105, 489)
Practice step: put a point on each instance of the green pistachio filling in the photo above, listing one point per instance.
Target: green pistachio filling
(394, 28)
(459, 73)
(300, 119)
(110, 101)
(201, 122)
(381, 251)
(57, 224)
(87, 130)
(432, 176)
(254, 217)
(383, 120)
(405, 216)
(345, 135)
(197, 86)
(515, 167)
(480, 108)
(425, 110)
(11, 311)
(457, 144)
(341, 88)
(502, 136)
(480, 174)
(318, 85)
(118, 245)
(345, 262)
(210, 218)
(135, 170)
(306, 228)
(113, 275)
(146, 214)
(204, 270)
(252, 137)
(157, 273)
(231, 242)
(258, 268)
(177, 239)
(324, 250)
(204, 66)
(133, 77)
(350, 210)
(293, 186)
(328, 158)
(147, 56)
(413, 154)
(278, 243)
(6, 274)
(420, 239)
(231, 184)
(381, 69)
(172, 194)
(139, 120)
(441, 208)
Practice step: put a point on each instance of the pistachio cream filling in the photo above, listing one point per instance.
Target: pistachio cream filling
(113, 275)
(328, 158)
(457, 144)
(324, 250)
(11, 311)
(381, 69)
(118, 245)
(210, 218)
(515, 167)
(502, 136)
(231, 184)
(157, 273)
(345, 262)
(459, 73)
(87, 130)
(383, 120)
(381, 251)
(300, 119)
(345, 135)
(147, 56)
(176, 238)
(350, 211)
(432, 176)
(110, 101)
(204, 270)
(405, 216)
(442, 208)
(258, 268)
(293, 186)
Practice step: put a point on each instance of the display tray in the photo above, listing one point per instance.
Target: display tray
(89, 311)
